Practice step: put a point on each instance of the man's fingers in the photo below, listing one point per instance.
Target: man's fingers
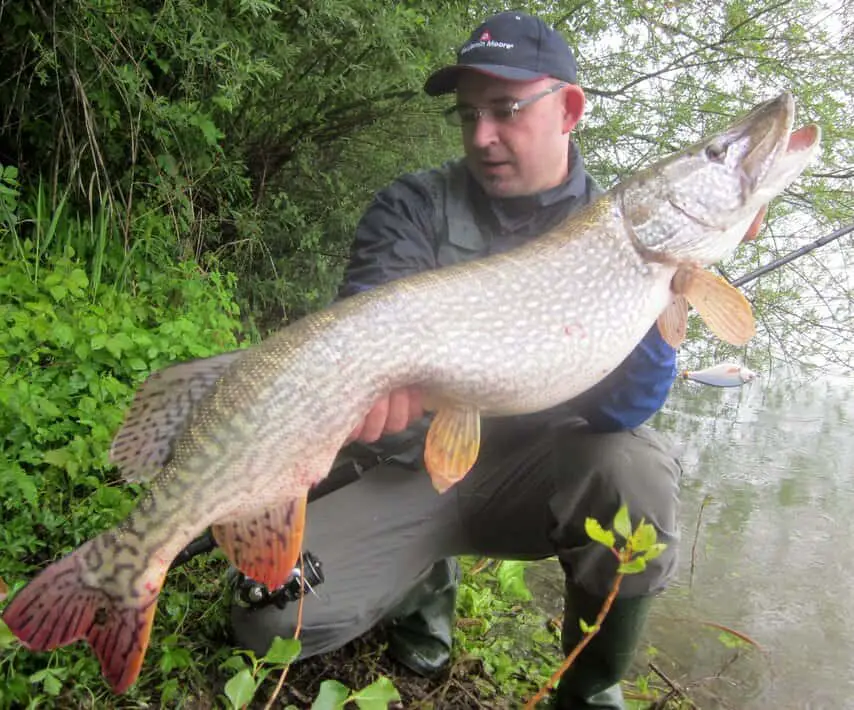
(374, 424)
(397, 418)
(390, 414)
(416, 404)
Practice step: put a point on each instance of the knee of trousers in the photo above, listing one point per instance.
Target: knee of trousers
(596, 473)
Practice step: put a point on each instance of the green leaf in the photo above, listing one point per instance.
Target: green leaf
(77, 281)
(47, 408)
(58, 457)
(598, 534)
(99, 341)
(240, 689)
(377, 695)
(62, 334)
(168, 164)
(7, 638)
(58, 292)
(622, 522)
(235, 663)
(26, 485)
(332, 696)
(283, 651)
(211, 133)
(511, 579)
(587, 628)
(137, 364)
(633, 567)
(643, 537)
(52, 685)
(118, 343)
(654, 551)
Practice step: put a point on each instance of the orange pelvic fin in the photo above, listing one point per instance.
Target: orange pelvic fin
(58, 608)
(265, 546)
(452, 444)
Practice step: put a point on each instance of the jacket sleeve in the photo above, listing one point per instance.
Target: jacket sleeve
(633, 392)
(394, 238)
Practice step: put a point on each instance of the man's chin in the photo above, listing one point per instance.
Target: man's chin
(498, 185)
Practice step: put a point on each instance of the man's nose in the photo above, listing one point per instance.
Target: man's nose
(484, 131)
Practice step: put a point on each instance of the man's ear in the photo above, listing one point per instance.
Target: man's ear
(574, 101)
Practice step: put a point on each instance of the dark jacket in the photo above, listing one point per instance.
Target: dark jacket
(437, 217)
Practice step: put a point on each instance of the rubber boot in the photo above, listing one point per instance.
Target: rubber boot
(421, 629)
(593, 680)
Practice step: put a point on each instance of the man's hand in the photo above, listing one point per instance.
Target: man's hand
(390, 414)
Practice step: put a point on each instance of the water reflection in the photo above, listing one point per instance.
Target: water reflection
(773, 558)
(774, 462)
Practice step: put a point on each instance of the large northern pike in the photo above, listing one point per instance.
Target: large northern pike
(236, 441)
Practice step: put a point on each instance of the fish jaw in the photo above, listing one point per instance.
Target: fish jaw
(697, 205)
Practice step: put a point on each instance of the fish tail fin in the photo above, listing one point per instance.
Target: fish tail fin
(59, 607)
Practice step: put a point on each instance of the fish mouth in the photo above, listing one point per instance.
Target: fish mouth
(773, 154)
(699, 204)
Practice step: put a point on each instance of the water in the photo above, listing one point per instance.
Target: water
(772, 467)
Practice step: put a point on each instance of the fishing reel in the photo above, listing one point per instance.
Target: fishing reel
(304, 578)
(255, 595)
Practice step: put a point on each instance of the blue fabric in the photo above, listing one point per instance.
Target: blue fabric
(635, 391)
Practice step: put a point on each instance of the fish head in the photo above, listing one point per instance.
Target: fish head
(746, 374)
(698, 204)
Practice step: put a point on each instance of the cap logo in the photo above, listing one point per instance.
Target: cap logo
(486, 42)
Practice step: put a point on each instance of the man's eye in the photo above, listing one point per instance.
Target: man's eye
(503, 113)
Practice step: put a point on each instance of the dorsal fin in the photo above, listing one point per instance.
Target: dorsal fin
(160, 412)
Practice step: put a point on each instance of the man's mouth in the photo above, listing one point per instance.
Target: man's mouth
(493, 166)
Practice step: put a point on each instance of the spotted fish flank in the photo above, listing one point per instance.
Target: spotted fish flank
(235, 443)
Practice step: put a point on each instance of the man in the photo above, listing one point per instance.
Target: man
(384, 536)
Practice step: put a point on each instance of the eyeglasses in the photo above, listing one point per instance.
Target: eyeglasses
(469, 115)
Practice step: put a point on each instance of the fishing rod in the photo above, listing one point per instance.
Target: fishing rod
(732, 374)
(791, 256)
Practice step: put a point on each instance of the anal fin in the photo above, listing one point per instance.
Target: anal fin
(265, 546)
(452, 444)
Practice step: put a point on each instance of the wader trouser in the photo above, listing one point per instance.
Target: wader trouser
(385, 540)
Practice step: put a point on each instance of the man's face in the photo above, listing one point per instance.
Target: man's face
(527, 154)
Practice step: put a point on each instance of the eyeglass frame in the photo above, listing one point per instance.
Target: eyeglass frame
(453, 117)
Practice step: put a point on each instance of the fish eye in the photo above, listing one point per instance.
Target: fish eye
(715, 152)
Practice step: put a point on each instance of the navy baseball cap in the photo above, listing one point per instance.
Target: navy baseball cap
(510, 45)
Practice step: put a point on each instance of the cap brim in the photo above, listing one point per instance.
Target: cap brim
(444, 80)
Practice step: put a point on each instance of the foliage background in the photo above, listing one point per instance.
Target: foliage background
(179, 177)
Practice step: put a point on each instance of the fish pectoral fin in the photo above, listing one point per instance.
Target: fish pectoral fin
(673, 322)
(723, 308)
(160, 412)
(452, 444)
(265, 546)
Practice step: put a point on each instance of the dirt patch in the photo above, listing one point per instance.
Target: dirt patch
(365, 659)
